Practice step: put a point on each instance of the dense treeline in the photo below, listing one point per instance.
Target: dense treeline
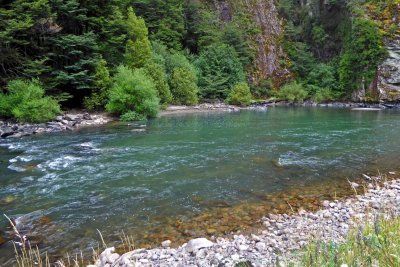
(334, 46)
(133, 57)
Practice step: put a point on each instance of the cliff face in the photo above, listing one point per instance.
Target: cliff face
(269, 52)
(388, 78)
(389, 74)
(265, 37)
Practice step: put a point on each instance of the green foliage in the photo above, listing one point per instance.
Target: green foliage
(157, 73)
(261, 90)
(138, 49)
(25, 101)
(324, 94)
(165, 19)
(183, 86)
(240, 95)
(293, 92)
(134, 91)
(363, 53)
(323, 76)
(303, 60)
(235, 37)
(375, 244)
(132, 116)
(102, 83)
(219, 70)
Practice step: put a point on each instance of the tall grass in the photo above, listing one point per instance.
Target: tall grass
(377, 244)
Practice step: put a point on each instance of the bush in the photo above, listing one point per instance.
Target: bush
(219, 70)
(132, 116)
(26, 102)
(293, 92)
(262, 89)
(134, 91)
(183, 86)
(240, 94)
(323, 94)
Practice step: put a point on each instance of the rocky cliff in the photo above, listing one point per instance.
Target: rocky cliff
(389, 74)
(265, 37)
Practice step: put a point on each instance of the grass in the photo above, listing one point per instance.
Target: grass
(377, 244)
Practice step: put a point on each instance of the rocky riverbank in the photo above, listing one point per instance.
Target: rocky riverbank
(262, 105)
(66, 122)
(71, 121)
(279, 237)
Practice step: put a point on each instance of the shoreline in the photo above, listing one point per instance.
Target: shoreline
(73, 120)
(278, 238)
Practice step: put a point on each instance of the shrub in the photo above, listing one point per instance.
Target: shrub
(134, 91)
(323, 94)
(262, 89)
(183, 86)
(293, 92)
(219, 70)
(240, 94)
(132, 116)
(26, 102)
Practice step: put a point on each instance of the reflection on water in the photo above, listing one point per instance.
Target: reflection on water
(186, 176)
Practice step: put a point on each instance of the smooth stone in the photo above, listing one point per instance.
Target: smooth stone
(198, 243)
(260, 246)
(166, 243)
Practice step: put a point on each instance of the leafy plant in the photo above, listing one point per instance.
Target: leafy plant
(26, 102)
(132, 116)
(293, 92)
(134, 91)
(240, 95)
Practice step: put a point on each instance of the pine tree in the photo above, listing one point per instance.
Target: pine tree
(138, 49)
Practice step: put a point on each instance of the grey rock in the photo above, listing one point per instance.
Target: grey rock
(198, 243)
(71, 117)
(260, 246)
(87, 116)
(166, 243)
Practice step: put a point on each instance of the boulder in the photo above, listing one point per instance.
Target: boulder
(7, 131)
(198, 243)
(71, 117)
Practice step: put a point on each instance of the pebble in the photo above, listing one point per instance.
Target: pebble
(282, 235)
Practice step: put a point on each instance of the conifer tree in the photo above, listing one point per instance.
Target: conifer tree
(138, 49)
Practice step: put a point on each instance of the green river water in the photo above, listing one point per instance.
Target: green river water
(151, 179)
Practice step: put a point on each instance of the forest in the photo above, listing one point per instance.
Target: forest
(135, 57)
